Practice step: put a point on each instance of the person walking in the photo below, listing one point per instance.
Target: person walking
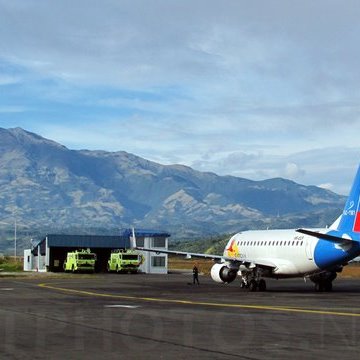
(195, 275)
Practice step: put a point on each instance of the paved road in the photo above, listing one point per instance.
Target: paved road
(163, 317)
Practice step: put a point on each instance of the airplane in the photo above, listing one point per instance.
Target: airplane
(317, 254)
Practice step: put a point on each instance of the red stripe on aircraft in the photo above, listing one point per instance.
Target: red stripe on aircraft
(230, 248)
(357, 222)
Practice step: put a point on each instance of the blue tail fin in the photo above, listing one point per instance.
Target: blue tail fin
(350, 218)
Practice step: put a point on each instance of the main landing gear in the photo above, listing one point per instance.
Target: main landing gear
(252, 283)
(323, 286)
(323, 281)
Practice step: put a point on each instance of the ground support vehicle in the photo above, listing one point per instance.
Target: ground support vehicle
(80, 261)
(125, 261)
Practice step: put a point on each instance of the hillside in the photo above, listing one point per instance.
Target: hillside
(47, 186)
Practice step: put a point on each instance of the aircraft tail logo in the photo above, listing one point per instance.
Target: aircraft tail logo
(350, 219)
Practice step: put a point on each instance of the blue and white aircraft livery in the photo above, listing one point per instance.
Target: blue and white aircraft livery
(318, 254)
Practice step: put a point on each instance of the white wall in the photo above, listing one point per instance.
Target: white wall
(34, 263)
(28, 260)
(154, 263)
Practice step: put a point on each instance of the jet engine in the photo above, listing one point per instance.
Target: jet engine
(221, 273)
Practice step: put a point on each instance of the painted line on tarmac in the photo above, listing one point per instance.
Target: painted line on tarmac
(6, 289)
(122, 306)
(202, 303)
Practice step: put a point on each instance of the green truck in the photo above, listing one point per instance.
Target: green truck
(125, 261)
(80, 260)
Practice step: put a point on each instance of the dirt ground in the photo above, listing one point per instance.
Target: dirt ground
(351, 271)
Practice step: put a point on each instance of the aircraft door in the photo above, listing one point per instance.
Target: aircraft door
(309, 248)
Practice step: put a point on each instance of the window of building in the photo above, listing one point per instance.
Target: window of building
(158, 242)
(140, 242)
(158, 261)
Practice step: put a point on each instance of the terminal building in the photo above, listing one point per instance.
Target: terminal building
(49, 253)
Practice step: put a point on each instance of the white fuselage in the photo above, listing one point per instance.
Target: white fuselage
(291, 253)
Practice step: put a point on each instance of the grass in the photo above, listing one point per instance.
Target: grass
(9, 264)
(179, 263)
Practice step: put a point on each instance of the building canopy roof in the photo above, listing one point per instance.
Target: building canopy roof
(86, 241)
(95, 241)
(144, 233)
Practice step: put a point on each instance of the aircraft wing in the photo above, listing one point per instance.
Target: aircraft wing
(264, 263)
(183, 253)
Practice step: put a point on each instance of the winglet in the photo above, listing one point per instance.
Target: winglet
(133, 239)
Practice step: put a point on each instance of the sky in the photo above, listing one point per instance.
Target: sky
(255, 89)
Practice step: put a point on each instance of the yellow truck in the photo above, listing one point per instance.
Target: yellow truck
(80, 260)
(125, 261)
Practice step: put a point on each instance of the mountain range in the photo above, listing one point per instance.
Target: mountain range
(48, 186)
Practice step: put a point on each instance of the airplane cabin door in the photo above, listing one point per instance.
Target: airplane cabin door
(309, 248)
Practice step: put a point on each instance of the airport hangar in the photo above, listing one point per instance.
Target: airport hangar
(50, 253)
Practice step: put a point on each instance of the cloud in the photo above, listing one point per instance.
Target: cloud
(331, 168)
(293, 171)
(132, 43)
(9, 80)
(327, 186)
(253, 89)
(12, 109)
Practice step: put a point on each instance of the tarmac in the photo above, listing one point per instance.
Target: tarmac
(117, 316)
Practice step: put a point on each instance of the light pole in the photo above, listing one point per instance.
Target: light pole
(15, 239)
(15, 230)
